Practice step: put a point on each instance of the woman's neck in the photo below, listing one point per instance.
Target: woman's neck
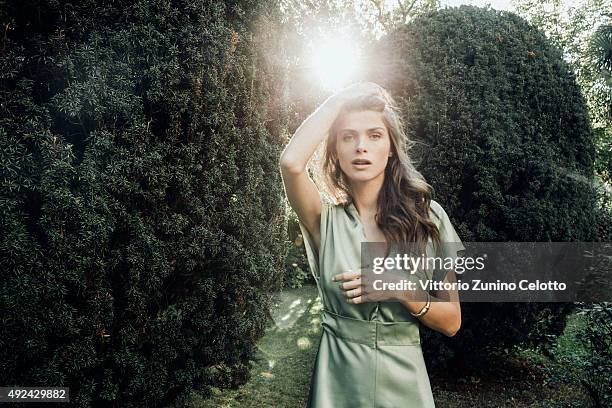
(365, 196)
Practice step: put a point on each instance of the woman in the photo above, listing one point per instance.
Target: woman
(370, 353)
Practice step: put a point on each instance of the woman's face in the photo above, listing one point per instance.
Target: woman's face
(363, 145)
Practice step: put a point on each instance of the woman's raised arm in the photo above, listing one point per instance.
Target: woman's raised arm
(301, 191)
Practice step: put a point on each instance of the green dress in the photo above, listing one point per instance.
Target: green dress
(370, 353)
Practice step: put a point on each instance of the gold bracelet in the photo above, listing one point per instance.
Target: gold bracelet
(425, 308)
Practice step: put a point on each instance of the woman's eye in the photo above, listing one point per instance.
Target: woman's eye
(376, 135)
(347, 137)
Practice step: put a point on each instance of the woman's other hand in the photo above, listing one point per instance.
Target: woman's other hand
(356, 291)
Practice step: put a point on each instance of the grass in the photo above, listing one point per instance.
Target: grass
(284, 361)
(285, 357)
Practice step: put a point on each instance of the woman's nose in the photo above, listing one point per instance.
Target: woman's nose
(361, 148)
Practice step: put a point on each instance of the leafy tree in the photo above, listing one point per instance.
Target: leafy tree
(601, 52)
(400, 12)
(572, 29)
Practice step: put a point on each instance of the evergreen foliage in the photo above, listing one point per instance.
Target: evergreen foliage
(505, 141)
(143, 225)
(597, 364)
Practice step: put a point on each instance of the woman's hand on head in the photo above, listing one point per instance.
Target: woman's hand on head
(358, 89)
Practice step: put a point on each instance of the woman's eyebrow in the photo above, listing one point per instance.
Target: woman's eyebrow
(354, 131)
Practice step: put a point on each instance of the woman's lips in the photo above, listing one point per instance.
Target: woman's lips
(361, 163)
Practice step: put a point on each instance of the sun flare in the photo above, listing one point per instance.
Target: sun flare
(336, 62)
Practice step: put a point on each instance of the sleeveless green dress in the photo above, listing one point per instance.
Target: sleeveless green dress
(370, 353)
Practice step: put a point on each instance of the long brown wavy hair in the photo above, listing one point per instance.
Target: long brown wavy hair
(405, 197)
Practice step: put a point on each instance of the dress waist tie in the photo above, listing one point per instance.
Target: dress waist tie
(371, 332)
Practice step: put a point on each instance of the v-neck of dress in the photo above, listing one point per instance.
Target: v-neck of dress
(373, 315)
(358, 221)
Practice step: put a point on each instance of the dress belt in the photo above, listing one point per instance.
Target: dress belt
(371, 332)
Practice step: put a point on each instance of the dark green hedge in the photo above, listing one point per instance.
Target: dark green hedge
(143, 225)
(506, 143)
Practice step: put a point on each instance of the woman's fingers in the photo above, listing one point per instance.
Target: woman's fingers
(356, 293)
(358, 89)
(370, 87)
(350, 275)
(356, 300)
(354, 284)
(352, 288)
(352, 293)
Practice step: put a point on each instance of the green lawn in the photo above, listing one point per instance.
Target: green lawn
(281, 374)
(285, 356)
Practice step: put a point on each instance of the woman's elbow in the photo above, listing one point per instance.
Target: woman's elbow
(454, 329)
(290, 165)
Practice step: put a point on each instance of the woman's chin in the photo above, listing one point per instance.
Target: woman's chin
(362, 176)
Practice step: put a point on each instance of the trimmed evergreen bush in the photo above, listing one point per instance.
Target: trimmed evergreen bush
(596, 337)
(142, 213)
(506, 143)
